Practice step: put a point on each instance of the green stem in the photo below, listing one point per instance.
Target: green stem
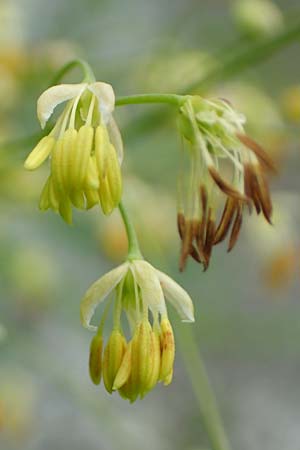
(202, 388)
(230, 66)
(89, 76)
(133, 244)
(172, 99)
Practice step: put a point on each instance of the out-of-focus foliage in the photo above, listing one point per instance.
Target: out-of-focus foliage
(257, 18)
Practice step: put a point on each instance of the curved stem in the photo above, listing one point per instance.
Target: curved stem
(133, 244)
(202, 389)
(172, 99)
(83, 65)
(231, 65)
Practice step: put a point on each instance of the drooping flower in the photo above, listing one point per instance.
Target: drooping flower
(134, 366)
(84, 147)
(225, 166)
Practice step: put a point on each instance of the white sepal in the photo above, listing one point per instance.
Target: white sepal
(98, 292)
(148, 282)
(115, 138)
(177, 296)
(106, 99)
(54, 96)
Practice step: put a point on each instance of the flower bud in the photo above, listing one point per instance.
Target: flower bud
(95, 360)
(167, 344)
(113, 356)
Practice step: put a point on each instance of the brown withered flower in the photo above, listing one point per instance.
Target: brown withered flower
(227, 175)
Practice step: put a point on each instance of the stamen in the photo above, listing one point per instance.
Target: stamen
(225, 186)
(65, 116)
(263, 157)
(90, 112)
(74, 109)
(226, 220)
(236, 227)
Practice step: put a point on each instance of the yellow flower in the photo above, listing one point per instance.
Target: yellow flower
(225, 164)
(135, 366)
(84, 146)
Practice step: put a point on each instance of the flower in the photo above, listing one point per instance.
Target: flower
(135, 366)
(85, 148)
(217, 146)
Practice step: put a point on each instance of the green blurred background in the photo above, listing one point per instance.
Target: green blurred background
(247, 303)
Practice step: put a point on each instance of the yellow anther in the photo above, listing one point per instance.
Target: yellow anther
(113, 357)
(81, 156)
(167, 350)
(95, 360)
(124, 371)
(114, 176)
(53, 198)
(92, 178)
(65, 209)
(92, 198)
(78, 200)
(168, 379)
(44, 197)
(155, 358)
(40, 153)
(67, 157)
(105, 197)
(102, 145)
(56, 166)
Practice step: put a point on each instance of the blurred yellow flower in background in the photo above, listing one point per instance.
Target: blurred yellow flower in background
(290, 100)
(18, 401)
(278, 247)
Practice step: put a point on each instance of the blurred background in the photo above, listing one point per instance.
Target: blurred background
(247, 303)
